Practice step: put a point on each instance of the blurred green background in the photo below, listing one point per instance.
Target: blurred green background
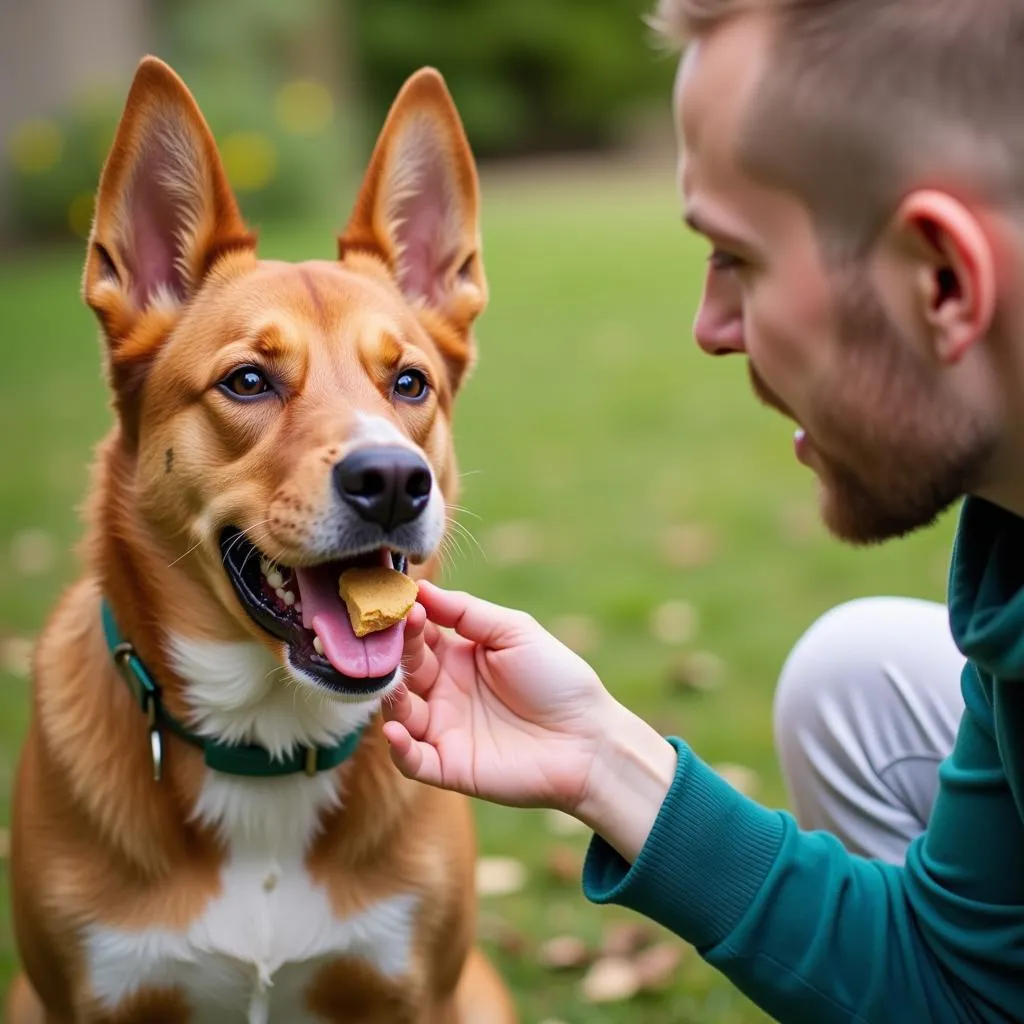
(623, 488)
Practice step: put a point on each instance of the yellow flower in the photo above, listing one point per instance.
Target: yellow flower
(36, 146)
(80, 213)
(249, 159)
(303, 107)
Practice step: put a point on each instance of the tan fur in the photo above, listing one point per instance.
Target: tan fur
(94, 838)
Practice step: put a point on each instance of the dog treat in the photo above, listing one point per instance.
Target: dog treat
(376, 597)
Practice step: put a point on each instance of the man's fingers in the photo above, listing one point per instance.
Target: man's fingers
(419, 661)
(410, 710)
(413, 758)
(412, 638)
(471, 617)
(416, 618)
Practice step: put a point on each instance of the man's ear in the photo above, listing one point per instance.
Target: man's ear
(953, 270)
(164, 211)
(417, 211)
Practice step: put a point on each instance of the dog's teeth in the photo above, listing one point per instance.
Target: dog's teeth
(276, 580)
(280, 593)
(288, 597)
(264, 567)
(298, 607)
(318, 645)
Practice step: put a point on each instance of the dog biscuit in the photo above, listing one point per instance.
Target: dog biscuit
(376, 597)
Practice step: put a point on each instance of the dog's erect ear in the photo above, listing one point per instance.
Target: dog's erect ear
(418, 206)
(164, 210)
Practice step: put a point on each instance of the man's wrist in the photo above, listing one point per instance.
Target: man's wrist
(631, 774)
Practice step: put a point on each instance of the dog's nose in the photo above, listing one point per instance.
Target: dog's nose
(388, 486)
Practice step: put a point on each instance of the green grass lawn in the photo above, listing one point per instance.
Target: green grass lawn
(633, 471)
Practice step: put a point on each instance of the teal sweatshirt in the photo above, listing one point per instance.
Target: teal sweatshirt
(815, 935)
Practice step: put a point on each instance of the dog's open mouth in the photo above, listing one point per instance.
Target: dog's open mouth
(302, 607)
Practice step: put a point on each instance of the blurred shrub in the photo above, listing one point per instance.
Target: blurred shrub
(54, 165)
(265, 74)
(277, 81)
(529, 76)
(261, 73)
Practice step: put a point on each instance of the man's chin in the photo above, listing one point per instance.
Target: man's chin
(855, 517)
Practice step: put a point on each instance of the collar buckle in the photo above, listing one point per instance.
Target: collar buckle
(125, 658)
(156, 753)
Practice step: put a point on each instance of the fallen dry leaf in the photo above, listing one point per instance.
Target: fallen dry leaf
(625, 938)
(739, 776)
(563, 953)
(32, 552)
(674, 623)
(16, 655)
(688, 545)
(492, 928)
(565, 863)
(499, 876)
(513, 543)
(696, 671)
(656, 966)
(577, 632)
(610, 980)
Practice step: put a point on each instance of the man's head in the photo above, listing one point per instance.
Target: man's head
(857, 167)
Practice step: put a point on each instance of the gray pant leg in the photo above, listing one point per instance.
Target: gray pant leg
(868, 704)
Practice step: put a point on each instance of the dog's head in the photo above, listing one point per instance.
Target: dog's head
(280, 421)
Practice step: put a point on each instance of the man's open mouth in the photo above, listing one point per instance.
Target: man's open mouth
(302, 607)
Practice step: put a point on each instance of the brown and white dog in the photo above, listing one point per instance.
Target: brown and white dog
(207, 824)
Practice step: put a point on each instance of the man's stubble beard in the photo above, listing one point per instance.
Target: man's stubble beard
(892, 453)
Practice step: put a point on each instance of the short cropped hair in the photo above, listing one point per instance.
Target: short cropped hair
(865, 99)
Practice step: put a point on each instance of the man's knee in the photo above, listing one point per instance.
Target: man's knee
(829, 667)
(867, 664)
(866, 705)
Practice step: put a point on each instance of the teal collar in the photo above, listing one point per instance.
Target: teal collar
(247, 759)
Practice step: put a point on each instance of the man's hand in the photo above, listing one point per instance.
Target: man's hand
(498, 708)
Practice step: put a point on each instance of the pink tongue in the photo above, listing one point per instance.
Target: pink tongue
(374, 655)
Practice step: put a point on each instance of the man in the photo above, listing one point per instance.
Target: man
(858, 167)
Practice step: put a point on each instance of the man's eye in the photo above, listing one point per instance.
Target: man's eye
(722, 260)
(246, 382)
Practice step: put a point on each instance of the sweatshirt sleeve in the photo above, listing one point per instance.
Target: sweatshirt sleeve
(815, 935)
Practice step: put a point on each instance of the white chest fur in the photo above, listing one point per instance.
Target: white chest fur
(253, 949)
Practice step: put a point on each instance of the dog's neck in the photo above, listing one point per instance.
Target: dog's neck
(214, 678)
(237, 692)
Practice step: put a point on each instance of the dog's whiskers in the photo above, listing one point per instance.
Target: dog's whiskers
(444, 553)
(468, 534)
(197, 544)
(462, 508)
(453, 542)
(227, 551)
(250, 536)
(391, 697)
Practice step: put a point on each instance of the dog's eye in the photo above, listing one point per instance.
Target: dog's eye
(246, 382)
(411, 385)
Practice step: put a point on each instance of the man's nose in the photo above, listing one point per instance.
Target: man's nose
(718, 336)
(718, 326)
